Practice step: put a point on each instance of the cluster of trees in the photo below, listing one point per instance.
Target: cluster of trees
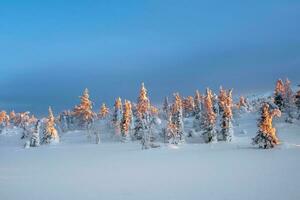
(212, 117)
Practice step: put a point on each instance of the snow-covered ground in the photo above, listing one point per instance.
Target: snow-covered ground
(76, 169)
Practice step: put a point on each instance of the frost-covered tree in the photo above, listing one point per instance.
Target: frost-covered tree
(50, 134)
(226, 132)
(297, 102)
(288, 103)
(4, 120)
(144, 119)
(104, 111)
(126, 122)
(188, 106)
(166, 108)
(175, 125)
(117, 116)
(199, 116)
(35, 136)
(83, 112)
(266, 137)
(279, 94)
(209, 117)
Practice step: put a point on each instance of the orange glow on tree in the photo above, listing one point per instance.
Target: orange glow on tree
(50, 132)
(126, 119)
(83, 111)
(104, 111)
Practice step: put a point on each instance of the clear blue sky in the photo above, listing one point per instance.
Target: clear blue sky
(51, 50)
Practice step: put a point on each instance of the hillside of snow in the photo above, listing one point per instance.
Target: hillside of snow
(77, 169)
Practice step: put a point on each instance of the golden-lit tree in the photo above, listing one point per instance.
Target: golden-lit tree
(143, 120)
(279, 94)
(221, 99)
(209, 134)
(242, 103)
(226, 133)
(266, 137)
(104, 111)
(188, 105)
(126, 121)
(12, 117)
(50, 133)
(177, 132)
(117, 116)
(83, 112)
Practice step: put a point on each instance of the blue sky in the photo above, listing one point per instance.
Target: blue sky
(51, 50)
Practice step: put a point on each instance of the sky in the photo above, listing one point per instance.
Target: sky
(50, 51)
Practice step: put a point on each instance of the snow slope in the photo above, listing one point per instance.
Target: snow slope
(76, 169)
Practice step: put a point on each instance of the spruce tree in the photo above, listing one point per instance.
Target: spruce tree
(209, 126)
(126, 121)
(166, 108)
(117, 116)
(297, 102)
(104, 111)
(266, 137)
(50, 134)
(35, 137)
(177, 133)
(143, 119)
(288, 103)
(83, 112)
(279, 94)
(226, 133)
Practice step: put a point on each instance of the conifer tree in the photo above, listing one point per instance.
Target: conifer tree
(104, 111)
(12, 117)
(50, 134)
(126, 121)
(188, 106)
(288, 103)
(143, 119)
(226, 133)
(176, 125)
(83, 112)
(209, 126)
(197, 103)
(266, 137)
(297, 102)
(166, 108)
(279, 94)
(242, 104)
(35, 137)
(117, 116)
(199, 116)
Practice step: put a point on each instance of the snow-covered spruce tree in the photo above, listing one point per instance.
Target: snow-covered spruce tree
(50, 134)
(23, 122)
(199, 117)
(266, 137)
(297, 103)
(117, 117)
(209, 126)
(35, 136)
(104, 111)
(126, 121)
(4, 121)
(144, 119)
(83, 112)
(177, 132)
(171, 131)
(288, 103)
(221, 100)
(166, 108)
(188, 106)
(226, 132)
(279, 94)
